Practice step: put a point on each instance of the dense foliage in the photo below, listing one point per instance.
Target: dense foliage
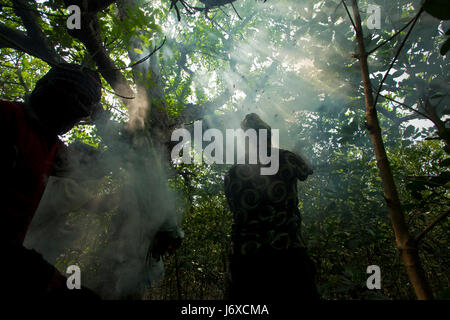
(291, 62)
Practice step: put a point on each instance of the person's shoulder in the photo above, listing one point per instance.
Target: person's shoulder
(231, 169)
(284, 152)
(243, 171)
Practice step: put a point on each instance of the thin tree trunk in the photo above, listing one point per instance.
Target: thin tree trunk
(406, 244)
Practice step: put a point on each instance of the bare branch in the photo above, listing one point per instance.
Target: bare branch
(407, 107)
(92, 6)
(145, 58)
(91, 38)
(237, 13)
(430, 227)
(397, 54)
(33, 42)
(18, 40)
(349, 15)
(34, 31)
(388, 40)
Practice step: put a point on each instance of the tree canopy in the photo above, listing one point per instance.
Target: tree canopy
(166, 64)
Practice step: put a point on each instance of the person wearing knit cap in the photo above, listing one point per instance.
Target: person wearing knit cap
(65, 95)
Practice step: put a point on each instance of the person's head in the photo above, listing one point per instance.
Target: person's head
(64, 96)
(253, 121)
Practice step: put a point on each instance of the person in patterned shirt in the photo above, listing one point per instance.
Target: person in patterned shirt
(269, 259)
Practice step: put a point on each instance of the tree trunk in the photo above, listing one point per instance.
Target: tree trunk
(406, 244)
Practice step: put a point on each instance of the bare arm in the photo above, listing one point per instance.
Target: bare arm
(302, 166)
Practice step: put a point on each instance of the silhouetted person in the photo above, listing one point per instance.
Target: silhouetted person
(30, 143)
(269, 259)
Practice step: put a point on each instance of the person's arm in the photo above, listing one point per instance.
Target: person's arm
(167, 239)
(302, 166)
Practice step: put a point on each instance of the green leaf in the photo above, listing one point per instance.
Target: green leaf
(409, 130)
(139, 51)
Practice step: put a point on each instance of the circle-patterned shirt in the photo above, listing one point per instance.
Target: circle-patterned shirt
(265, 207)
